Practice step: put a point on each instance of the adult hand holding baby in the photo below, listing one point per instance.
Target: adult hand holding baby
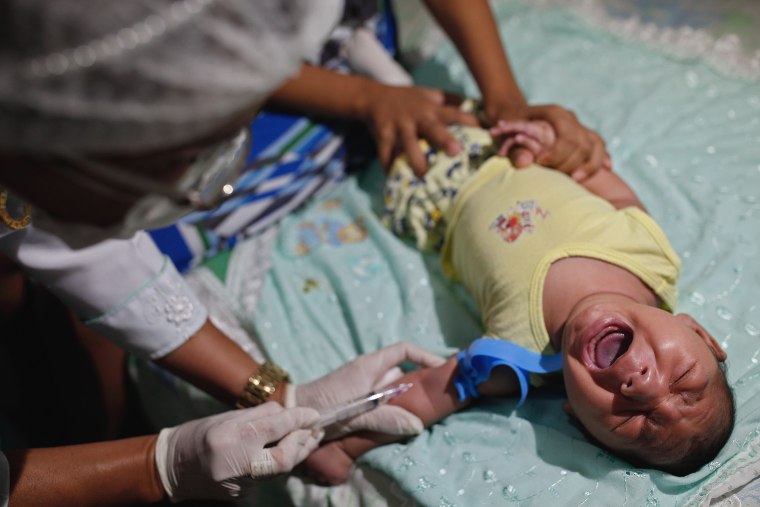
(364, 374)
(224, 456)
(400, 116)
(566, 145)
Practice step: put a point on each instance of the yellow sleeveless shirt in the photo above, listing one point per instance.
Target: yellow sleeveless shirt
(506, 227)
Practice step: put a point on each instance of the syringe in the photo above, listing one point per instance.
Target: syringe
(359, 406)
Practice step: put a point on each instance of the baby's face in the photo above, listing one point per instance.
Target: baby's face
(638, 378)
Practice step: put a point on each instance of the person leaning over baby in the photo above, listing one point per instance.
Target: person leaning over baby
(569, 275)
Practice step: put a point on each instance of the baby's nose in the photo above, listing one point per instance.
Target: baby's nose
(644, 386)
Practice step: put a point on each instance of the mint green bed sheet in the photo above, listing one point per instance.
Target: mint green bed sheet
(684, 136)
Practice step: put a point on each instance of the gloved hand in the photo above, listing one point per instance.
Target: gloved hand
(222, 456)
(366, 373)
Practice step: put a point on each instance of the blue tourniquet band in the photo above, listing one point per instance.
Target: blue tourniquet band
(476, 363)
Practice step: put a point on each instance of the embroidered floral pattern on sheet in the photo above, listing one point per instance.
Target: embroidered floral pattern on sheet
(329, 230)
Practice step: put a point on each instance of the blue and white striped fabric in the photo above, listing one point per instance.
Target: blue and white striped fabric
(310, 160)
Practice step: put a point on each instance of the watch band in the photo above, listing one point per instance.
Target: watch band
(261, 385)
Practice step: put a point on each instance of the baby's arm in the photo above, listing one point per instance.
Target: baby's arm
(611, 187)
(432, 398)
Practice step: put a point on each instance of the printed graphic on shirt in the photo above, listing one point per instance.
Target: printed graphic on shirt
(522, 217)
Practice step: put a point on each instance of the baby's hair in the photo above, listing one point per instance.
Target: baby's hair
(704, 449)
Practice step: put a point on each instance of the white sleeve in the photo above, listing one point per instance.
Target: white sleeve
(124, 289)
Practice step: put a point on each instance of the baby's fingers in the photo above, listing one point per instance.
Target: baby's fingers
(528, 143)
(521, 157)
(539, 130)
(506, 146)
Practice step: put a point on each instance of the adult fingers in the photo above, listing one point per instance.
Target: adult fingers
(573, 158)
(247, 415)
(385, 138)
(433, 94)
(575, 144)
(447, 110)
(595, 161)
(397, 353)
(439, 136)
(289, 452)
(449, 115)
(553, 156)
(389, 419)
(410, 144)
(544, 132)
(273, 427)
(263, 410)
(562, 119)
(564, 155)
(388, 378)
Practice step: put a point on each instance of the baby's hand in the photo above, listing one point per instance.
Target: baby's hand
(522, 141)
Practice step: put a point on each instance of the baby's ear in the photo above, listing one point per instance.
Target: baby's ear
(687, 319)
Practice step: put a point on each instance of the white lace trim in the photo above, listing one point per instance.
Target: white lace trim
(725, 53)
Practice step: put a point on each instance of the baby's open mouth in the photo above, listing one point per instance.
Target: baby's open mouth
(610, 347)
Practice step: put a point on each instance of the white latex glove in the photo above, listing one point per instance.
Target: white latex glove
(222, 456)
(366, 373)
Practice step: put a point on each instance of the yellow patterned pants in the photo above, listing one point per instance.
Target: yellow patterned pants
(416, 207)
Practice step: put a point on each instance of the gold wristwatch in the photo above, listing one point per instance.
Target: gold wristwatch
(262, 385)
